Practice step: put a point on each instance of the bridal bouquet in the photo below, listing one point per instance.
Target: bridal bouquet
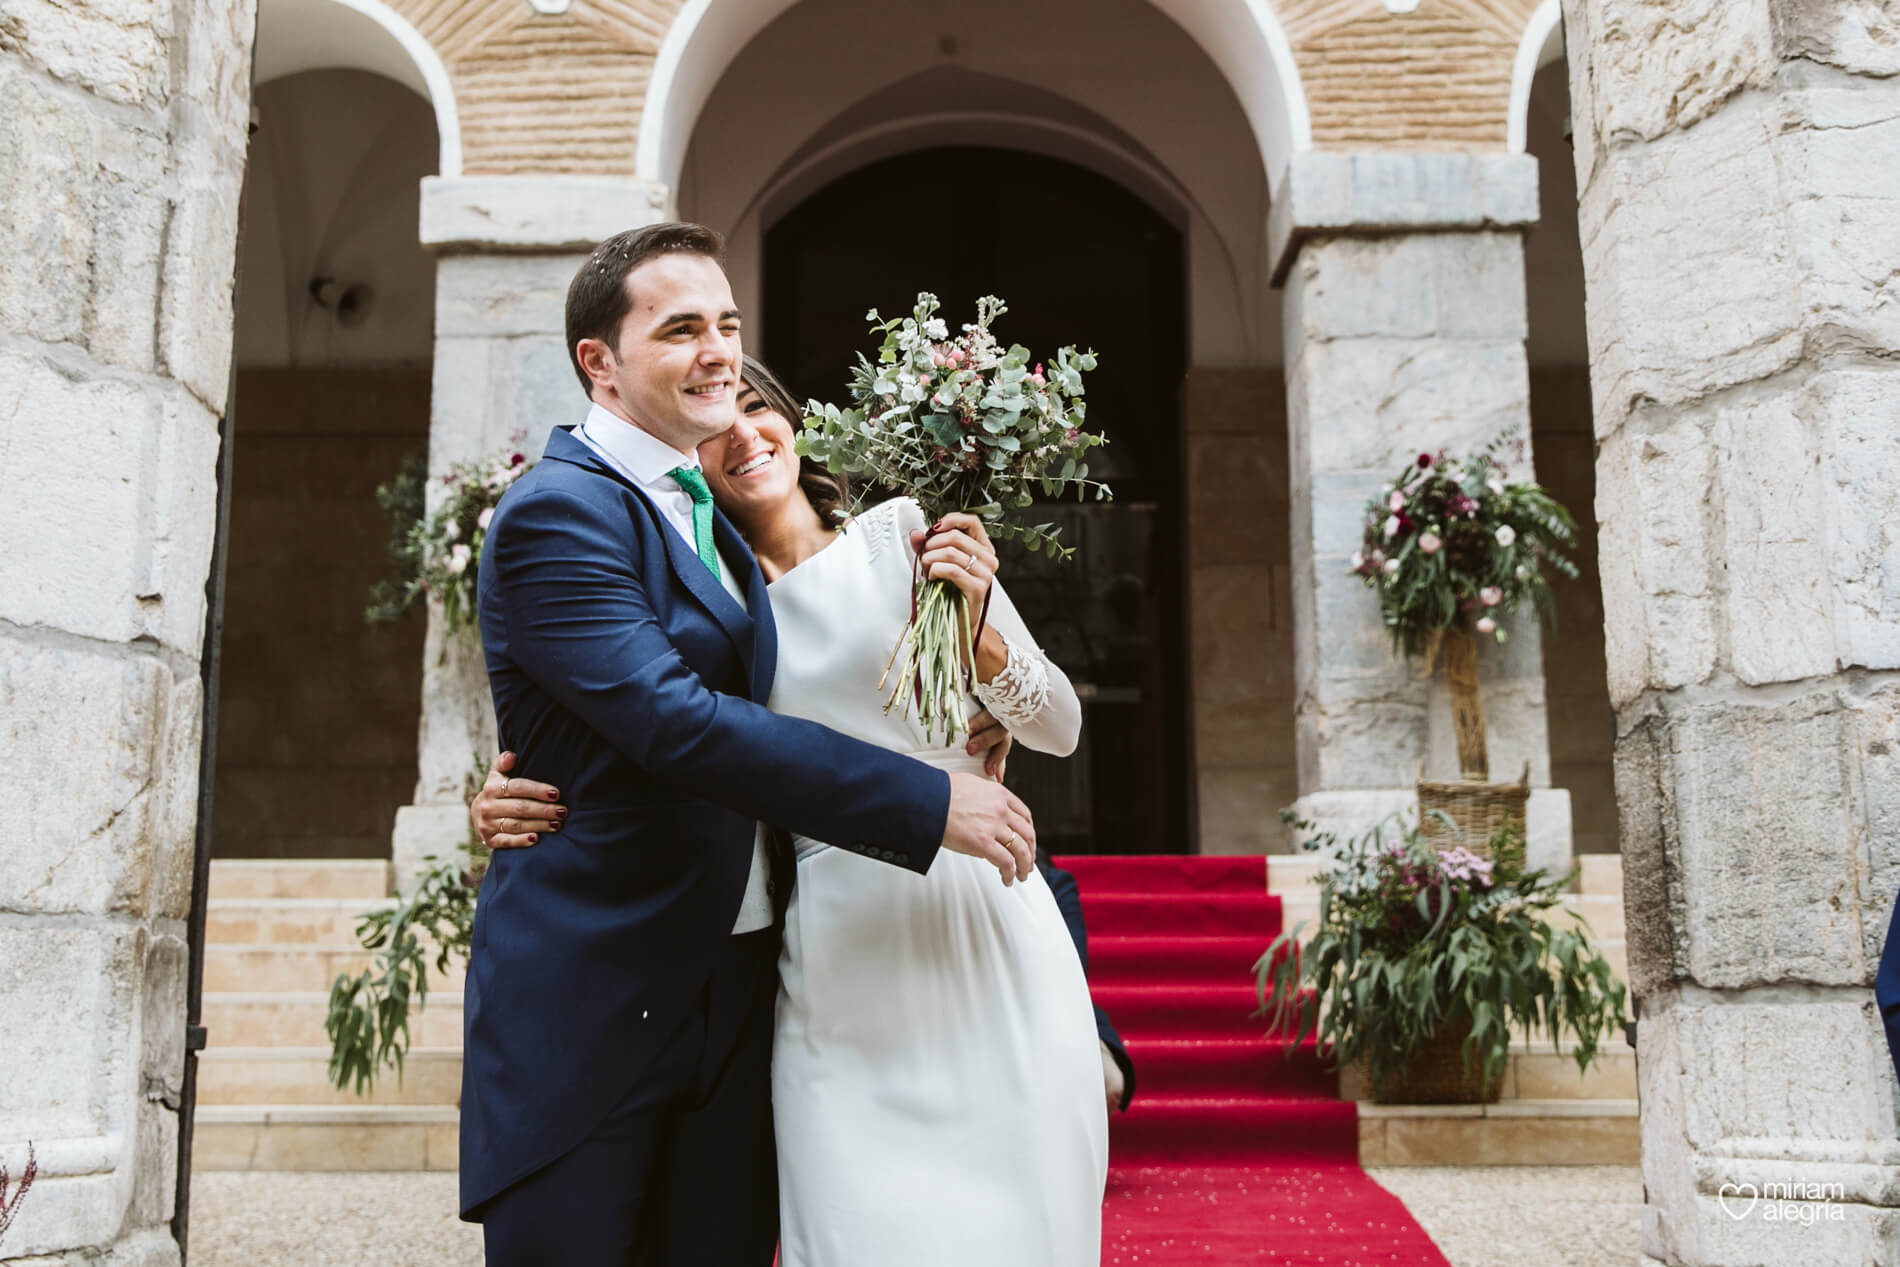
(959, 424)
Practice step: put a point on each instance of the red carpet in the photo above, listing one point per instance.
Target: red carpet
(1231, 1152)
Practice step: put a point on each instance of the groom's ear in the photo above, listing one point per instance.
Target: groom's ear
(597, 361)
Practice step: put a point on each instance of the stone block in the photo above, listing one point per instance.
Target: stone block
(1859, 420)
(162, 1018)
(1655, 552)
(1662, 68)
(1376, 403)
(1234, 401)
(1414, 285)
(1854, 35)
(1765, 827)
(1515, 730)
(422, 831)
(1681, 306)
(533, 213)
(1361, 732)
(1774, 542)
(117, 50)
(197, 294)
(1232, 628)
(1653, 896)
(69, 1046)
(155, 1161)
(82, 218)
(1237, 499)
(1241, 808)
(496, 296)
(212, 62)
(114, 479)
(1876, 740)
(87, 727)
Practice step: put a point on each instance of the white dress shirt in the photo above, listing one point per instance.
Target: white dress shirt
(645, 459)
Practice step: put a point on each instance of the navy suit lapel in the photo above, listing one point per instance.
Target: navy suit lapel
(685, 560)
(762, 661)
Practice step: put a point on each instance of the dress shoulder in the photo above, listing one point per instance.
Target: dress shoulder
(887, 526)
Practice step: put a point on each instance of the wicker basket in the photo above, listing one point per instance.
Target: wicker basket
(1477, 809)
(1436, 1073)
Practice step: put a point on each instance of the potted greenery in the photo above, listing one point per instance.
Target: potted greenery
(1452, 547)
(1424, 960)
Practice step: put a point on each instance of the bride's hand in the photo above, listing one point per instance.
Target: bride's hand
(991, 740)
(511, 813)
(957, 549)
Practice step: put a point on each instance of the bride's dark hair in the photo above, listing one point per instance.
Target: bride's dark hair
(828, 492)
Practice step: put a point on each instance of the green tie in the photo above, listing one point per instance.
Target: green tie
(689, 479)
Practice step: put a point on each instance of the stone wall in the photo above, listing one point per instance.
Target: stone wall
(1240, 607)
(1740, 168)
(122, 139)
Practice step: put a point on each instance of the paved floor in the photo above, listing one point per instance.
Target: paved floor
(1553, 1216)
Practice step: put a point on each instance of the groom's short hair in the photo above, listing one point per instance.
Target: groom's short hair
(598, 299)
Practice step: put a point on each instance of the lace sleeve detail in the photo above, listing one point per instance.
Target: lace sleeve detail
(881, 528)
(1017, 695)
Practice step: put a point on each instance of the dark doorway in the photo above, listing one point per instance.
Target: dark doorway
(1079, 260)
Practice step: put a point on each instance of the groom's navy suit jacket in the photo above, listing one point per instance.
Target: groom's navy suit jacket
(626, 676)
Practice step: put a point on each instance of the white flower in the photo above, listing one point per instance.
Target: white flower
(482, 520)
(1496, 486)
(451, 530)
(1490, 596)
(1507, 535)
(1487, 625)
(1523, 572)
(1396, 501)
(458, 560)
(1391, 526)
(1391, 567)
(936, 329)
(1358, 560)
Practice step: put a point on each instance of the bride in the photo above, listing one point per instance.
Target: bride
(936, 1082)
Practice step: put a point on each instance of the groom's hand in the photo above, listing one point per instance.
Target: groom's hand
(987, 821)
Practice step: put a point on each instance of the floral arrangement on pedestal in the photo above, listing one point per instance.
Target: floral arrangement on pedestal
(1451, 547)
(438, 552)
(960, 424)
(1425, 959)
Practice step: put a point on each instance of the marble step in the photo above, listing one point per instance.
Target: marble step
(324, 1137)
(301, 1075)
(1523, 1132)
(295, 1019)
(308, 921)
(362, 878)
(265, 967)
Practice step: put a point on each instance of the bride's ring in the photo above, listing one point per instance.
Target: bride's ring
(969, 564)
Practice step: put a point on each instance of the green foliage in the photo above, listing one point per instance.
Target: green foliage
(1450, 541)
(402, 500)
(368, 1020)
(1411, 938)
(961, 424)
(438, 552)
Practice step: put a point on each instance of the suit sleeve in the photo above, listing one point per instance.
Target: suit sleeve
(580, 623)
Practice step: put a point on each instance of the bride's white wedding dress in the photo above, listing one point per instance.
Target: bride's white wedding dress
(936, 1084)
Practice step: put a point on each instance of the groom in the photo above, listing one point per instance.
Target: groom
(616, 1096)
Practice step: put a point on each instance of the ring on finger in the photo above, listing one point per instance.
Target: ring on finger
(969, 562)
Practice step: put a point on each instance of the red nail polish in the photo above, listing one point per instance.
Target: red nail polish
(533, 839)
(560, 814)
(553, 795)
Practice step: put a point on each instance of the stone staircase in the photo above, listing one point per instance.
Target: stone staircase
(278, 933)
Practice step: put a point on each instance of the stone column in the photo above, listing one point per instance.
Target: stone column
(122, 143)
(1404, 322)
(506, 249)
(1739, 162)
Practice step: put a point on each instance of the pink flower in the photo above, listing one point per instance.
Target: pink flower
(1490, 596)
(1396, 501)
(482, 520)
(1428, 542)
(1486, 625)
(458, 560)
(1392, 526)
(1391, 567)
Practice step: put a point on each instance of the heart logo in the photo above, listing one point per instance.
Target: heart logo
(1739, 1210)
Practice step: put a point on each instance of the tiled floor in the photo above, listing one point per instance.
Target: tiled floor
(1552, 1216)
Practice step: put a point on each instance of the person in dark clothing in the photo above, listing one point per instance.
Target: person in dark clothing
(1886, 985)
(1118, 1071)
